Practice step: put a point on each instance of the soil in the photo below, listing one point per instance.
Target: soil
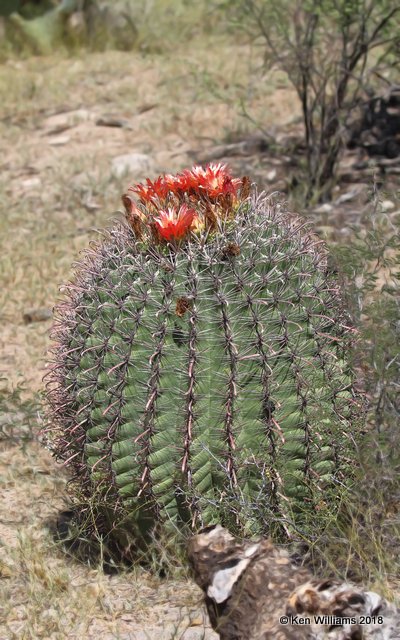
(62, 122)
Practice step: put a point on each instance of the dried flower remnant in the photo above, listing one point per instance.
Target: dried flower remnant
(135, 216)
(183, 304)
(231, 250)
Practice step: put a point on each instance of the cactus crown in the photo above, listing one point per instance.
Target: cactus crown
(200, 368)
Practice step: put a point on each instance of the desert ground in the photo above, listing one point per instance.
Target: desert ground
(65, 122)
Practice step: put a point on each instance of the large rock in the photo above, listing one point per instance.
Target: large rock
(135, 164)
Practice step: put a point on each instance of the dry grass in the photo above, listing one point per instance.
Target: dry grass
(52, 196)
(47, 188)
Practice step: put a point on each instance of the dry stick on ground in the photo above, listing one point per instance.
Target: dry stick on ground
(253, 591)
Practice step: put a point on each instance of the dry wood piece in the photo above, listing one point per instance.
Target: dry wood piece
(253, 591)
(248, 147)
(112, 121)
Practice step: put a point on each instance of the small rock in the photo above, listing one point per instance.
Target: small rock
(135, 163)
(387, 205)
(349, 195)
(324, 208)
(271, 175)
(31, 183)
(37, 315)
(59, 141)
(67, 118)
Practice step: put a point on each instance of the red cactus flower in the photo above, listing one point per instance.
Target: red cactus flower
(145, 193)
(172, 224)
(211, 190)
(151, 191)
(174, 183)
(160, 187)
(213, 181)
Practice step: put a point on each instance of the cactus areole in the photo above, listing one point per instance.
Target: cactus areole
(199, 371)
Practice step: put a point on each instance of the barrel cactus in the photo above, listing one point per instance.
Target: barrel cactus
(200, 370)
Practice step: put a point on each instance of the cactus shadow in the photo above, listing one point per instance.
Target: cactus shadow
(114, 550)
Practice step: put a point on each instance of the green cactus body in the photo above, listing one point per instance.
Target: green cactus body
(205, 383)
